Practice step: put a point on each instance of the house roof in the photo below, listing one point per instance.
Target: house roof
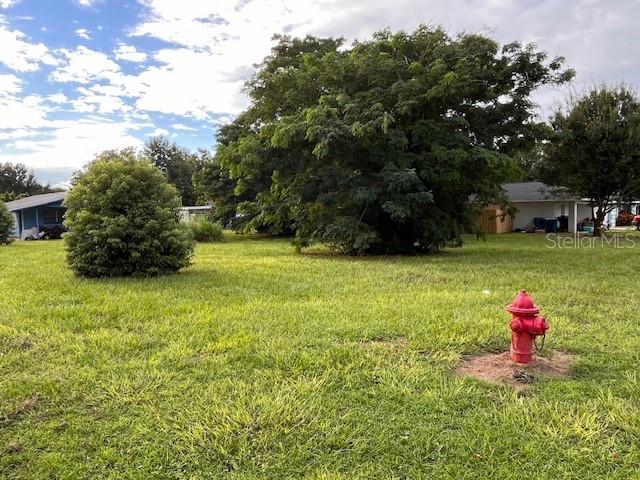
(534, 192)
(35, 201)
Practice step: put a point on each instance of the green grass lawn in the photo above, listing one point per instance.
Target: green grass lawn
(257, 362)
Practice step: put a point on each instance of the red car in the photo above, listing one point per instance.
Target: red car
(636, 222)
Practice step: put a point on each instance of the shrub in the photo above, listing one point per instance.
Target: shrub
(7, 225)
(624, 219)
(124, 220)
(205, 230)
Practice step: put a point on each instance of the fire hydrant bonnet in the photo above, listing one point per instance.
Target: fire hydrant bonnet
(523, 305)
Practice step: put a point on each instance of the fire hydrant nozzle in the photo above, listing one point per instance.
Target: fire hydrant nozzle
(525, 326)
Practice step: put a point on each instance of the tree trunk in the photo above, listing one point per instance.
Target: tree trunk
(598, 219)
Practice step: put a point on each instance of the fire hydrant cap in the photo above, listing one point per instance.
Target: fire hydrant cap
(523, 304)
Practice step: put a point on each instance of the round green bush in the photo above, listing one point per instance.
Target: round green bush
(206, 231)
(124, 220)
(7, 225)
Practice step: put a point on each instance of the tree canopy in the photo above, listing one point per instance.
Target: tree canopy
(124, 219)
(378, 147)
(176, 163)
(594, 150)
(17, 181)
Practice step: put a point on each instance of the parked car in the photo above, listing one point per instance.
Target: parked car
(52, 233)
(636, 222)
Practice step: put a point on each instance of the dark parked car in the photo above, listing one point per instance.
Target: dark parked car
(52, 233)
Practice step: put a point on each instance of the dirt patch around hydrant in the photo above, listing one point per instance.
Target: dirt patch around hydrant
(497, 368)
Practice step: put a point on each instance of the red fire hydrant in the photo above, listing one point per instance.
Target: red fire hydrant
(525, 326)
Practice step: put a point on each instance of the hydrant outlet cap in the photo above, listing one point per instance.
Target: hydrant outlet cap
(523, 304)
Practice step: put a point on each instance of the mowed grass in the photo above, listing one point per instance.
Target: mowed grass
(257, 362)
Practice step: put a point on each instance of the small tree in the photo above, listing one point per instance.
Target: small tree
(124, 219)
(7, 224)
(595, 149)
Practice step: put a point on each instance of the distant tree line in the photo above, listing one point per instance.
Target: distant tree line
(17, 181)
(178, 165)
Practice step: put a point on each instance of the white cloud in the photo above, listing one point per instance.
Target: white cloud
(19, 54)
(10, 84)
(84, 65)
(29, 135)
(140, 116)
(57, 98)
(186, 83)
(83, 33)
(221, 40)
(129, 53)
(78, 141)
(8, 3)
(222, 120)
(158, 132)
(87, 3)
(218, 44)
(183, 127)
(96, 102)
(26, 112)
(20, 133)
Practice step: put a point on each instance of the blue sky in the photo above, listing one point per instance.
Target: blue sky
(81, 76)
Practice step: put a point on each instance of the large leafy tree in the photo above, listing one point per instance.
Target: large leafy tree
(594, 150)
(378, 147)
(17, 181)
(176, 163)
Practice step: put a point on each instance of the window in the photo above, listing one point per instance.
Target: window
(53, 215)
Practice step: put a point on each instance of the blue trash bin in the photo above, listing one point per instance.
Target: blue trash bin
(551, 225)
(540, 223)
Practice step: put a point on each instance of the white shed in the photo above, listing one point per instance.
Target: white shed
(194, 212)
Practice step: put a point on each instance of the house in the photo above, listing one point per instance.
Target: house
(38, 212)
(535, 200)
(194, 212)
